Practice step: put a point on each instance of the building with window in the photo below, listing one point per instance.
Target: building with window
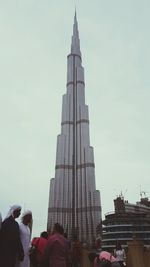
(128, 221)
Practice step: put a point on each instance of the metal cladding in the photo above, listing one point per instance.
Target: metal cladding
(74, 201)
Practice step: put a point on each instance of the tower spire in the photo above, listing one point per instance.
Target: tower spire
(75, 45)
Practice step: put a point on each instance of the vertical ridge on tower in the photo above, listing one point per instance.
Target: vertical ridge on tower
(74, 201)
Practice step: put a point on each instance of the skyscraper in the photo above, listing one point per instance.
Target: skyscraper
(74, 201)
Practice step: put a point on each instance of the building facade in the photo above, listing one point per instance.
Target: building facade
(74, 201)
(129, 221)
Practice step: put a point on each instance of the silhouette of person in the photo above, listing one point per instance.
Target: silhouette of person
(10, 244)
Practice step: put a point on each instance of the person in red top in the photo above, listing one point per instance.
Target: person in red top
(40, 244)
(38, 247)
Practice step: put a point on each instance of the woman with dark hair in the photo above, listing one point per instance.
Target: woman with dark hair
(119, 253)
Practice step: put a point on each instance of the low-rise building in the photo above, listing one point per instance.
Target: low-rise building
(126, 222)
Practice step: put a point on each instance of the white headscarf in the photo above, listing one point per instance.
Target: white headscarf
(26, 212)
(11, 210)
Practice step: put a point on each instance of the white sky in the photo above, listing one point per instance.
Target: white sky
(35, 38)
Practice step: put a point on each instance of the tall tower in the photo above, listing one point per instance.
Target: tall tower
(74, 201)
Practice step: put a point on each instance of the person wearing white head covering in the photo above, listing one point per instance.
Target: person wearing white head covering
(10, 243)
(25, 236)
(11, 211)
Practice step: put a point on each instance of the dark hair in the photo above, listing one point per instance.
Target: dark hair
(92, 256)
(58, 228)
(65, 235)
(118, 246)
(44, 235)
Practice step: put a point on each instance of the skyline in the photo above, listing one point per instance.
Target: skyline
(35, 41)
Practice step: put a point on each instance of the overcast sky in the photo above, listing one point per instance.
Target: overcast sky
(35, 38)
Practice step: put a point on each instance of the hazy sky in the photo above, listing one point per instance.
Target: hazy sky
(35, 38)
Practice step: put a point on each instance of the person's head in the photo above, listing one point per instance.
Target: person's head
(14, 211)
(98, 242)
(118, 246)
(44, 235)
(65, 235)
(27, 217)
(58, 229)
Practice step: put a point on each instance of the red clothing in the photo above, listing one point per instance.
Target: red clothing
(34, 240)
(40, 244)
(56, 251)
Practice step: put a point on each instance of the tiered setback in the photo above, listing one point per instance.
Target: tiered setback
(74, 201)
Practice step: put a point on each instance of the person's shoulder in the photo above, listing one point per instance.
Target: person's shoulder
(34, 240)
(56, 238)
(43, 240)
(8, 220)
(57, 235)
(21, 226)
(52, 237)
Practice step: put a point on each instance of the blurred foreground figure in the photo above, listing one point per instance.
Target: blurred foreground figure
(76, 253)
(56, 251)
(69, 257)
(10, 244)
(25, 236)
(105, 259)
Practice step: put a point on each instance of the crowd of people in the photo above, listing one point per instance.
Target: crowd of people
(49, 250)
